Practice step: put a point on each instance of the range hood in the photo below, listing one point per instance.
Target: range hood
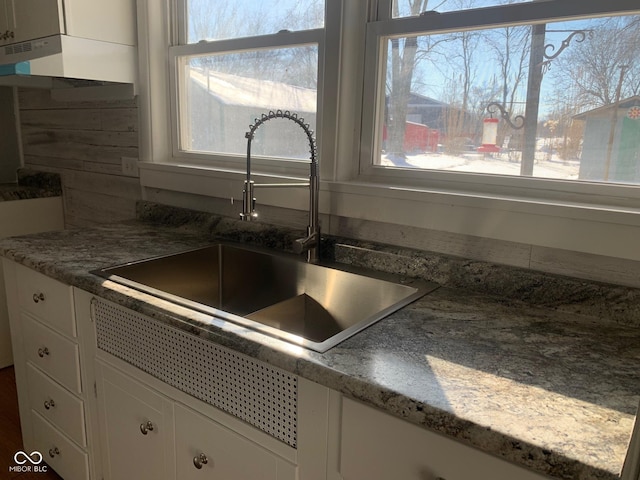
(36, 63)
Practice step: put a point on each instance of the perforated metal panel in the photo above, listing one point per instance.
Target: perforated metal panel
(262, 395)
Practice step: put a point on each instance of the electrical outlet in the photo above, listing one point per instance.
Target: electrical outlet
(130, 166)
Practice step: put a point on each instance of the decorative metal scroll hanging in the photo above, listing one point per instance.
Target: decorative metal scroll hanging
(506, 116)
(550, 52)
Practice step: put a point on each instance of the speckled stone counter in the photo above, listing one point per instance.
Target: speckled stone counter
(31, 184)
(548, 382)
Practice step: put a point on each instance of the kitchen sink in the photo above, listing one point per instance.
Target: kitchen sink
(315, 306)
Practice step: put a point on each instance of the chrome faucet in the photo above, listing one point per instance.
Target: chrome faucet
(311, 243)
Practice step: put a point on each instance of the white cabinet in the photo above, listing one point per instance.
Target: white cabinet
(80, 39)
(136, 428)
(22, 20)
(30, 19)
(48, 300)
(206, 449)
(148, 435)
(62, 454)
(53, 390)
(55, 403)
(21, 218)
(377, 446)
(53, 353)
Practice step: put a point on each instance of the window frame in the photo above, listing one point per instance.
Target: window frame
(263, 42)
(518, 188)
(327, 81)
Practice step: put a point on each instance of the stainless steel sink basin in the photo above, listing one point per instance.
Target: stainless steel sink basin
(306, 304)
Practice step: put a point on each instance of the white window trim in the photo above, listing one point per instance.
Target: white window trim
(610, 227)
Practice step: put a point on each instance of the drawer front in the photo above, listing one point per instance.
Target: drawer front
(378, 446)
(206, 449)
(47, 299)
(54, 354)
(71, 462)
(57, 405)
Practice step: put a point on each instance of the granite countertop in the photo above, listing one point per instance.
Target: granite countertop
(31, 184)
(540, 385)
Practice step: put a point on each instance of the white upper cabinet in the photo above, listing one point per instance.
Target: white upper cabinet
(23, 20)
(79, 39)
(31, 19)
(111, 21)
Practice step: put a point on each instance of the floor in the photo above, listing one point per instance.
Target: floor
(10, 435)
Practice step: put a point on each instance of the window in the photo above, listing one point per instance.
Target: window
(237, 60)
(413, 104)
(547, 89)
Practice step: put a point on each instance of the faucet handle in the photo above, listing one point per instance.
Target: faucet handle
(248, 202)
(298, 245)
(301, 245)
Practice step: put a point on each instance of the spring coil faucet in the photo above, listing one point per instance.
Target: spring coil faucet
(311, 243)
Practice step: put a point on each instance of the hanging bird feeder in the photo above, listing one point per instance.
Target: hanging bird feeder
(489, 136)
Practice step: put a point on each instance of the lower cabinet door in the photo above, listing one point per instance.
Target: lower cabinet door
(136, 428)
(208, 450)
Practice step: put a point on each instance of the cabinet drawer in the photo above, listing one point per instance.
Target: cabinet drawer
(58, 451)
(227, 454)
(56, 404)
(47, 299)
(52, 353)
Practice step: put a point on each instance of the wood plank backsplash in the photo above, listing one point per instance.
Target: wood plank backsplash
(84, 142)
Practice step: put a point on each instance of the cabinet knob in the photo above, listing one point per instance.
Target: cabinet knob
(53, 452)
(38, 297)
(43, 352)
(48, 404)
(146, 427)
(200, 460)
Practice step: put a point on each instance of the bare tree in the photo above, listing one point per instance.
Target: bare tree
(510, 47)
(593, 66)
(402, 64)
(459, 58)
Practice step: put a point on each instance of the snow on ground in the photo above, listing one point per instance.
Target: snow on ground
(498, 163)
